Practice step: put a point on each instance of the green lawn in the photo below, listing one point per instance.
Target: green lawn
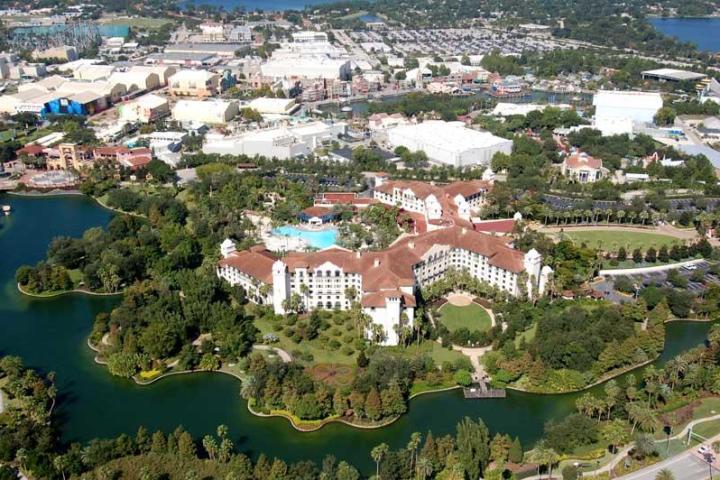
(320, 353)
(528, 335)
(473, 317)
(612, 240)
(145, 23)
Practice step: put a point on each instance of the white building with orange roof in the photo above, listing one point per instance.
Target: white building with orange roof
(386, 282)
(582, 168)
(441, 205)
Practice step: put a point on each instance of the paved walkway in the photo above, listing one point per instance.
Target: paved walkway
(474, 355)
(284, 356)
(657, 268)
(622, 453)
(2, 405)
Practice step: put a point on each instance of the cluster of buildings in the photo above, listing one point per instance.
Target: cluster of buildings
(92, 88)
(70, 156)
(281, 142)
(386, 283)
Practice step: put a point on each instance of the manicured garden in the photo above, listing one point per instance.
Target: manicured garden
(472, 316)
(612, 240)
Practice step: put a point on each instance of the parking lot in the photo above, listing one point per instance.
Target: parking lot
(658, 279)
(456, 41)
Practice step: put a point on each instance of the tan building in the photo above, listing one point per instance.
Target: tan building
(194, 83)
(145, 109)
(70, 156)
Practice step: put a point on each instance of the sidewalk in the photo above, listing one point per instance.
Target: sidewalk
(620, 456)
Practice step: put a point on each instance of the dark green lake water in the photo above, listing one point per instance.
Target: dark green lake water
(50, 334)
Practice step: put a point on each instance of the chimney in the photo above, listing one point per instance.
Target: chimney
(357, 254)
(411, 244)
(463, 231)
(376, 262)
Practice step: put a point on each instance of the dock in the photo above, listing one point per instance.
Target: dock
(481, 390)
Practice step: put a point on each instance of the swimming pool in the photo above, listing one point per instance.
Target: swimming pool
(316, 238)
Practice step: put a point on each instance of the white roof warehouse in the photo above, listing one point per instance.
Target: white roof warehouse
(450, 143)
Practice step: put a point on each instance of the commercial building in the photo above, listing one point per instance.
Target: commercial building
(183, 59)
(145, 109)
(93, 72)
(386, 281)
(135, 80)
(449, 143)
(64, 52)
(616, 112)
(195, 83)
(224, 50)
(282, 142)
(273, 106)
(672, 75)
(310, 55)
(212, 112)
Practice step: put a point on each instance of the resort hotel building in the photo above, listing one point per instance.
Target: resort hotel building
(385, 282)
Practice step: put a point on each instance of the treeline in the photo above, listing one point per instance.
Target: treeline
(446, 107)
(159, 320)
(44, 278)
(379, 389)
(574, 344)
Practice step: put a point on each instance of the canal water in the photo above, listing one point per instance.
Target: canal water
(50, 334)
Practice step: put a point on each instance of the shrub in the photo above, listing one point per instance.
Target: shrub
(463, 377)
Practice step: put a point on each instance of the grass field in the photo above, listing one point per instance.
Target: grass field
(472, 317)
(528, 335)
(145, 23)
(612, 240)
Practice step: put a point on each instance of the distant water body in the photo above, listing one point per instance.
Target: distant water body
(703, 32)
(253, 5)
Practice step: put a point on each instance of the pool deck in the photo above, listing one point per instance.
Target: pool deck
(298, 238)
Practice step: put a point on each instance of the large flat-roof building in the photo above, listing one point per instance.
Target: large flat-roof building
(617, 111)
(212, 112)
(449, 143)
(195, 83)
(282, 142)
(145, 109)
(672, 75)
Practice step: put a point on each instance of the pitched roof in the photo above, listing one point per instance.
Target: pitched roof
(255, 262)
(580, 160)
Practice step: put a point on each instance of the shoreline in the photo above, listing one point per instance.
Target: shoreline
(321, 423)
(40, 193)
(619, 372)
(291, 419)
(66, 292)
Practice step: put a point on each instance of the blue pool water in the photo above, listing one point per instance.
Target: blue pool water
(317, 239)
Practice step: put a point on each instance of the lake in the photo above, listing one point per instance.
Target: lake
(50, 334)
(703, 32)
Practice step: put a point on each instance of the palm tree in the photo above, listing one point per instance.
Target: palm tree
(423, 468)
(377, 454)
(665, 474)
(620, 214)
(210, 446)
(412, 446)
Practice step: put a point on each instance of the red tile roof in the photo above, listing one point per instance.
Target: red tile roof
(389, 269)
(495, 226)
(580, 160)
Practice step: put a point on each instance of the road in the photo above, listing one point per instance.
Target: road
(685, 466)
